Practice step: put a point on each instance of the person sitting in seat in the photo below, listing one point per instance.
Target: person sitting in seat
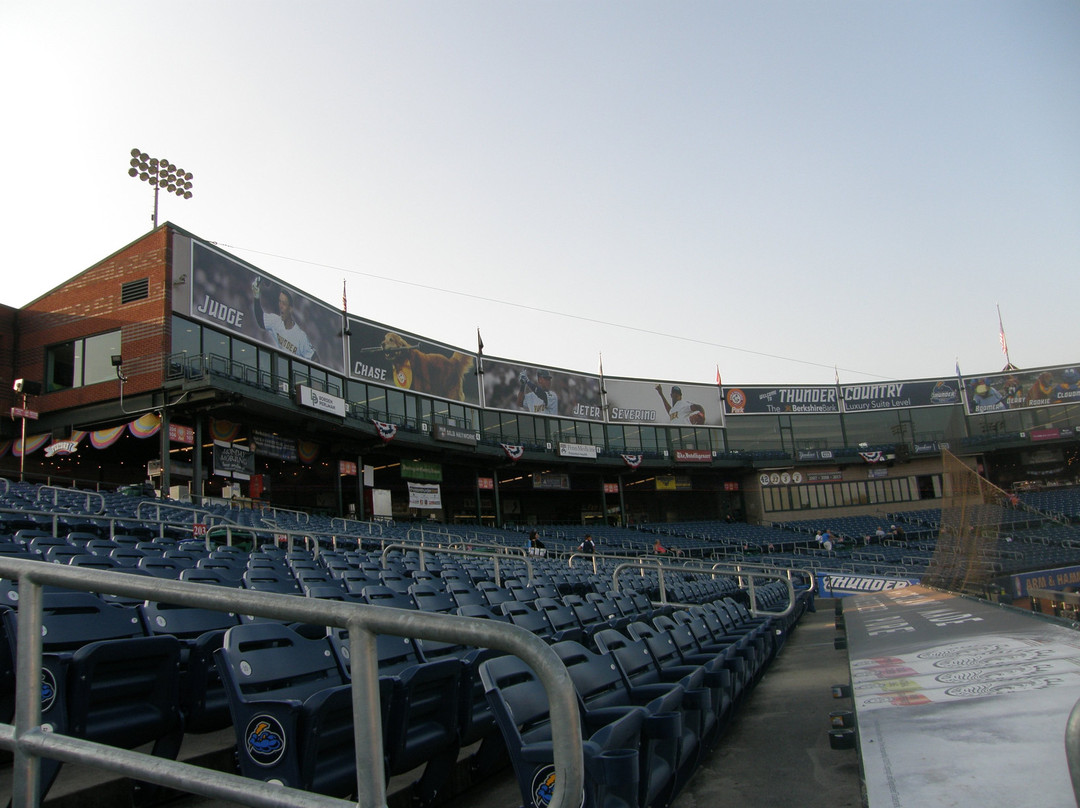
(536, 547)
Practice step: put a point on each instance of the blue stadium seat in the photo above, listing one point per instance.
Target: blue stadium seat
(203, 700)
(671, 745)
(291, 707)
(726, 671)
(639, 667)
(611, 742)
(103, 679)
(420, 711)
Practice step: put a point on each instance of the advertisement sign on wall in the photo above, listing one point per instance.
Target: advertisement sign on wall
(527, 388)
(663, 403)
(393, 358)
(1022, 389)
(779, 400)
(238, 299)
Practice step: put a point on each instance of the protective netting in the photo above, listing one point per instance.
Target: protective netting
(974, 515)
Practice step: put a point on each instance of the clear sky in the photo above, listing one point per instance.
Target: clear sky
(775, 188)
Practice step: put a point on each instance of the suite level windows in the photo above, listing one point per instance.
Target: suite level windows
(81, 362)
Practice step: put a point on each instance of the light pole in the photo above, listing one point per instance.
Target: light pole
(162, 175)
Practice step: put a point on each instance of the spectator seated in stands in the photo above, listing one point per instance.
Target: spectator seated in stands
(536, 547)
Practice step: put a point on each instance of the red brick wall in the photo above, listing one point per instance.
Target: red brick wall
(89, 304)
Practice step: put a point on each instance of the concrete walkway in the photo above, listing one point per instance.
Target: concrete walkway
(777, 750)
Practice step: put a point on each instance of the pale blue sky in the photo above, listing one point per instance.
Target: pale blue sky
(776, 188)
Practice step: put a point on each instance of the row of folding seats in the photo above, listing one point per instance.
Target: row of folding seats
(105, 677)
(566, 614)
(92, 645)
(655, 697)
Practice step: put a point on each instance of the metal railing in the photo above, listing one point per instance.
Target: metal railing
(86, 497)
(30, 741)
(744, 572)
(503, 553)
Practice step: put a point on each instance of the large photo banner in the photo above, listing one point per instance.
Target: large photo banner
(900, 395)
(240, 300)
(663, 403)
(380, 354)
(519, 387)
(773, 400)
(1022, 389)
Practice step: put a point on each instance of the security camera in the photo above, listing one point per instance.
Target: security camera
(117, 360)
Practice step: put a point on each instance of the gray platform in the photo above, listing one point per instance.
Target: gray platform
(960, 702)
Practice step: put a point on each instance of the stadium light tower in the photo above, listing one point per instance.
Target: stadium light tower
(162, 175)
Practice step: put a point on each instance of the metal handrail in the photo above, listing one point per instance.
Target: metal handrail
(57, 490)
(1072, 748)
(728, 569)
(30, 741)
(422, 550)
(172, 505)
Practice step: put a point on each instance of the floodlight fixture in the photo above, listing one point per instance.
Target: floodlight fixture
(162, 176)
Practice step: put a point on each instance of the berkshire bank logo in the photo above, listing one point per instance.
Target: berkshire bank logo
(265, 740)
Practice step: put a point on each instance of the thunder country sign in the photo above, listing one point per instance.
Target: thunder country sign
(842, 585)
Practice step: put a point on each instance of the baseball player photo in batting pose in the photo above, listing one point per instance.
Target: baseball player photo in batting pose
(537, 396)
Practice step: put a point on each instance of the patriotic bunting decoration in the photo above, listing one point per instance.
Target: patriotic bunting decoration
(873, 457)
(104, 438)
(307, 451)
(145, 426)
(33, 443)
(224, 431)
(515, 453)
(633, 461)
(386, 431)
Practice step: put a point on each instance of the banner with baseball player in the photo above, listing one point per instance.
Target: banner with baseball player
(663, 403)
(540, 390)
(383, 355)
(243, 301)
(1022, 389)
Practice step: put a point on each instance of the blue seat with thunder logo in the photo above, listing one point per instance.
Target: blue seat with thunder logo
(611, 739)
(291, 707)
(670, 742)
(103, 679)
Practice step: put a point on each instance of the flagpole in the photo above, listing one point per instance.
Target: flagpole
(603, 390)
(723, 415)
(840, 404)
(345, 306)
(1001, 336)
(480, 366)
